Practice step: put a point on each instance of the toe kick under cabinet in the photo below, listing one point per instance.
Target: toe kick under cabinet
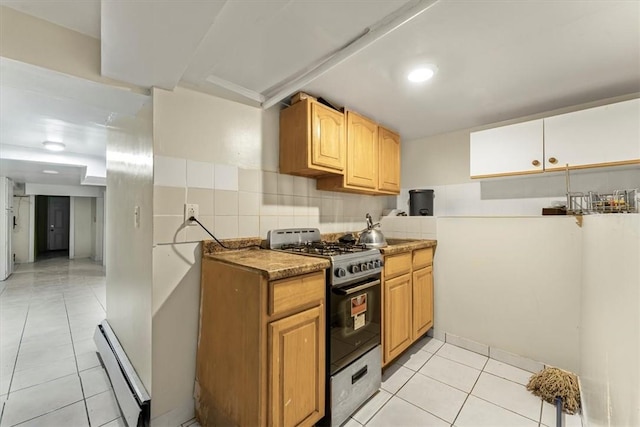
(407, 300)
(261, 349)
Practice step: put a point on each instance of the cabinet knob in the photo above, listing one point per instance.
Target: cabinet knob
(553, 160)
(535, 163)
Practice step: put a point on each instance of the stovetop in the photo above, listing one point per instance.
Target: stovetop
(349, 262)
(329, 249)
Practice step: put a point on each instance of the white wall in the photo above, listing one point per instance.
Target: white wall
(22, 212)
(129, 266)
(511, 283)
(610, 320)
(84, 233)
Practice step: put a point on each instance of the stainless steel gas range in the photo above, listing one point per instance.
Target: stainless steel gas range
(353, 317)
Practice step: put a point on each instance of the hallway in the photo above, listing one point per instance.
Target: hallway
(50, 374)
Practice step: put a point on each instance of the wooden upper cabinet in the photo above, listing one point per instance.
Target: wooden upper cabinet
(389, 161)
(327, 137)
(362, 152)
(312, 140)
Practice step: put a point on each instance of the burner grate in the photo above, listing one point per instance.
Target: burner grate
(324, 248)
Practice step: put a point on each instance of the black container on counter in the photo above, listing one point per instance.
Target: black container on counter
(421, 202)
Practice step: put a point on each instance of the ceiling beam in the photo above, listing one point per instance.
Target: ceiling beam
(372, 34)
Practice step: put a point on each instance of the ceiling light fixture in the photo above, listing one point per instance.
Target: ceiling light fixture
(50, 172)
(422, 73)
(53, 146)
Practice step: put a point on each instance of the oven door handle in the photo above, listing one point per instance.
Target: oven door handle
(349, 291)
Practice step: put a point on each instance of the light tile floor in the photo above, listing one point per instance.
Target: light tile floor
(438, 384)
(50, 374)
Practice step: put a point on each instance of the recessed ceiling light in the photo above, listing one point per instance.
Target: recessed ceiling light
(53, 146)
(50, 172)
(422, 74)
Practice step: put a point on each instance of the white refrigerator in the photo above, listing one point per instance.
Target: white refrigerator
(6, 227)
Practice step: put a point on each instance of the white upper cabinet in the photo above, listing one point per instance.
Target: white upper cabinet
(599, 136)
(507, 150)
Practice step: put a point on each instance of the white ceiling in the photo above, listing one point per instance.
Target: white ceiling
(497, 60)
(37, 105)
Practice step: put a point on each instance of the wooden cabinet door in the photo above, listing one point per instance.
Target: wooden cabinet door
(389, 161)
(362, 152)
(507, 150)
(397, 316)
(297, 369)
(422, 301)
(327, 137)
(606, 135)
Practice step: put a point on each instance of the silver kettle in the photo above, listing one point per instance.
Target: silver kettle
(370, 237)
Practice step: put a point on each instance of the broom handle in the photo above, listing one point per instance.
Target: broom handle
(558, 411)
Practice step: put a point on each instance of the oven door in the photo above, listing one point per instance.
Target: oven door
(354, 321)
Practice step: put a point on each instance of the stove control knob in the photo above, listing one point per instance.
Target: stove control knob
(354, 268)
(377, 263)
(371, 265)
(364, 266)
(340, 272)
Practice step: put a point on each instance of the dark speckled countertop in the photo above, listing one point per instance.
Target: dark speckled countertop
(273, 265)
(276, 265)
(396, 246)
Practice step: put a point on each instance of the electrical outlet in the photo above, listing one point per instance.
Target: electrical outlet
(190, 210)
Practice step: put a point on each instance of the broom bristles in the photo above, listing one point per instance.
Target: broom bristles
(553, 382)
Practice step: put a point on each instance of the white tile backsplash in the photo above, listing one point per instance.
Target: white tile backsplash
(169, 171)
(226, 177)
(250, 180)
(301, 186)
(269, 182)
(258, 200)
(200, 174)
(285, 184)
(248, 203)
(249, 226)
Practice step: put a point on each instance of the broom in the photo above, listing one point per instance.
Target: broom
(553, 384)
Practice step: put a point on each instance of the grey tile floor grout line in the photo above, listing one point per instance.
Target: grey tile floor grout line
(422, 409)
(15, 362)
(46, 413)
(470, 391)
(75, 357)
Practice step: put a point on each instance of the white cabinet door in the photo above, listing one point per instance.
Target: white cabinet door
(599, 136)
(507, 150)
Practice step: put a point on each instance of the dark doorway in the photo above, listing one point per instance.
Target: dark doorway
(52, 226)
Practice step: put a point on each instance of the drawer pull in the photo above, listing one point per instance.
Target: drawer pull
(358, 375)
(553, 160)
(535, 163)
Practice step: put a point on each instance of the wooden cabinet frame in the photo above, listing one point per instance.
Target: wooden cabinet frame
(246, 355)
(407, 300)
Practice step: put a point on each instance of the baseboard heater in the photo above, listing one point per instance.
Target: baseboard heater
(132, 397)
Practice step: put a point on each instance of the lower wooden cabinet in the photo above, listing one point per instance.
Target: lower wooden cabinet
(296, 360)
(422, 301)
(407, 300)
(397, 320)
(261, 348)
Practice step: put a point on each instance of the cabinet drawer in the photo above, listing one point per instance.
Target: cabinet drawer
(422, 258)
(287, 294)
(396, 265)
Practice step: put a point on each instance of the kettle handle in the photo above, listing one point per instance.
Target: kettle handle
(369, 222)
